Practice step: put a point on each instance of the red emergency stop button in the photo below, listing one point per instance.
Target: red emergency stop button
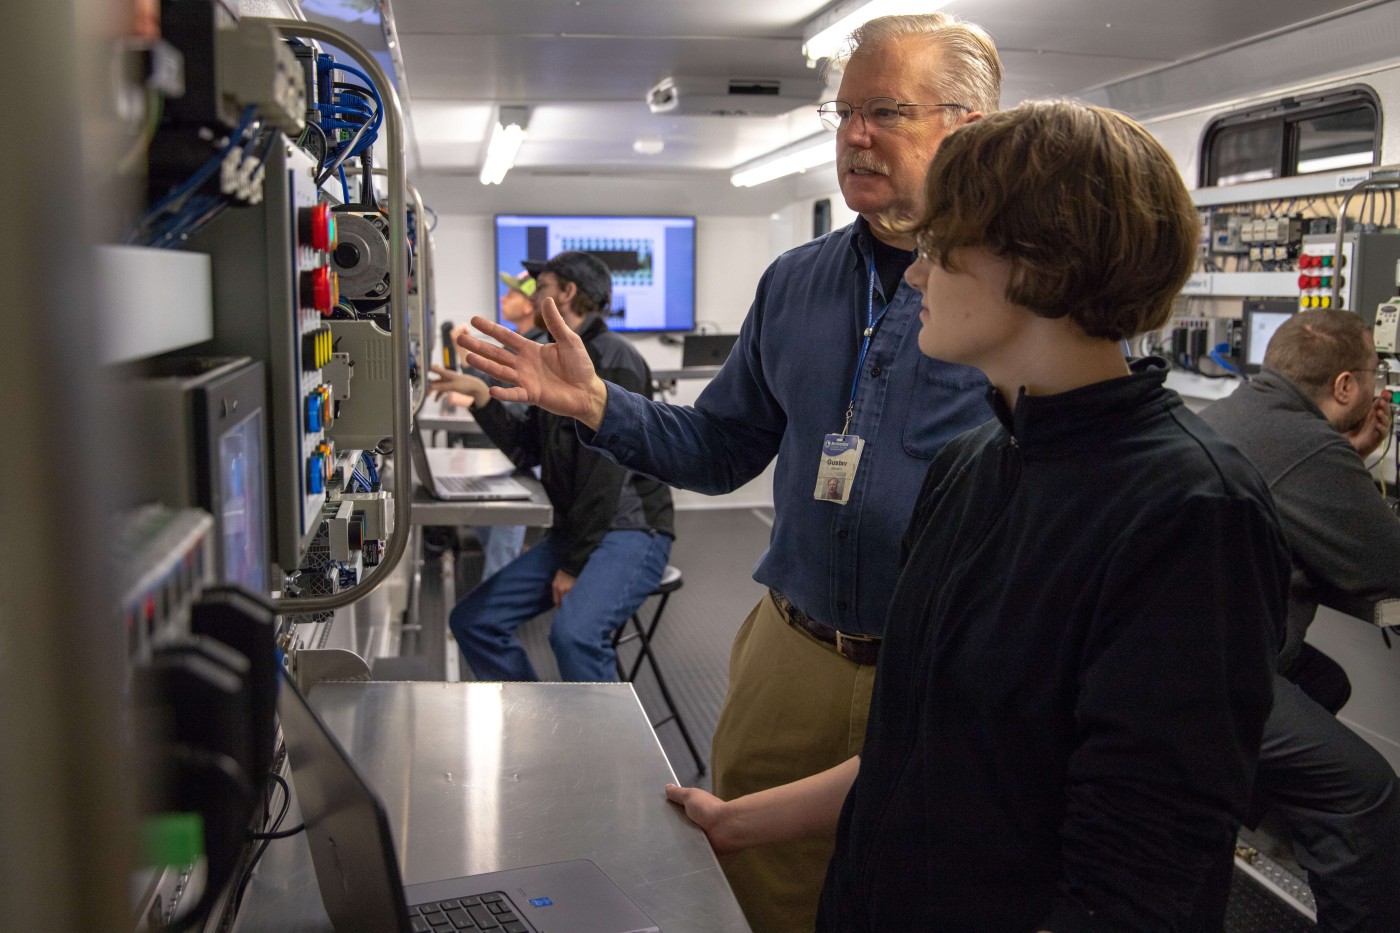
(320, 290)
(316, 227)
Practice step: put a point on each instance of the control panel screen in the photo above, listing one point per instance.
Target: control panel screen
(242, 517)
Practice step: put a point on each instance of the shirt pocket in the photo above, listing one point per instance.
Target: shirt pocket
(947, 400)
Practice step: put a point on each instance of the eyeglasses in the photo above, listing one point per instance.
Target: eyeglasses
(1381, 375)
(883, 112)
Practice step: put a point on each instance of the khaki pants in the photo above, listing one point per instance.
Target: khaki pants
(795, 707)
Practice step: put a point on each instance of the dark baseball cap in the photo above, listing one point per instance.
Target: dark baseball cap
(585, 270)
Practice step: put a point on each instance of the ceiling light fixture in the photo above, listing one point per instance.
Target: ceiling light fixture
(797, 157)
(825, 36)
(507, 133)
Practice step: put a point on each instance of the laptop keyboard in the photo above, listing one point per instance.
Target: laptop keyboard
(475, 484)
(492, 912)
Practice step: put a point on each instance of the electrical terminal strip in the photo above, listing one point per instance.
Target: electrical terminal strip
(257, 67)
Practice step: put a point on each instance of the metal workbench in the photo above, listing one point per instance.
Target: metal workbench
(478, 777)
(436, 416)
(479, 461)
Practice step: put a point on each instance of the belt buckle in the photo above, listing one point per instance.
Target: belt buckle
(842, 640)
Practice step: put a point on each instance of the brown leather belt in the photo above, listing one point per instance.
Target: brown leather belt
(862, 649)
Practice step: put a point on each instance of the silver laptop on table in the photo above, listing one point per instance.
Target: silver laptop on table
(357, 871)
(461, 487)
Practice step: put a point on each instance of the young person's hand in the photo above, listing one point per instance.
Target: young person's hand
(706, 811)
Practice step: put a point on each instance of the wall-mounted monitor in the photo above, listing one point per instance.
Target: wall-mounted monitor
(1261, 319)
(652, 260)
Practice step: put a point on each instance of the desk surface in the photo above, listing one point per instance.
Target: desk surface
(478, 777)
(435, 416)
(687, 372)
(479, 461)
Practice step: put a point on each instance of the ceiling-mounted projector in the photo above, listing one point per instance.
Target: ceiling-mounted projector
(732, 97)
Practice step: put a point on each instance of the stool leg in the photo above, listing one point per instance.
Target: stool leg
(645, 638)
(651, 629)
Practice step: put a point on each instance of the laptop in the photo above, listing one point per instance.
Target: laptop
(460, 487)
(706, 349)
(352, 850)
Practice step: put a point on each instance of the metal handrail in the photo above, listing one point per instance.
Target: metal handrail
(1388, 177)
(425, 278)
(398, 302)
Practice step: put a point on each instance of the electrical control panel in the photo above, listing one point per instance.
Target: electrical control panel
(1364, 272)
(274, 293)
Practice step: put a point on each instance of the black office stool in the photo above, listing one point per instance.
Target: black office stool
(671, 580)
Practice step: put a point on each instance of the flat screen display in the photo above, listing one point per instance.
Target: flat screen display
(652, 260)
(1259, 330)
(242, 518)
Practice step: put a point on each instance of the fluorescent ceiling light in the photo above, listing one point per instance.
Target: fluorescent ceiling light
(825, 36)
(798, 157)
(507, 133)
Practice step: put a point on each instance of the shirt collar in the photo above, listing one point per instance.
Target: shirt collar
(1273, 382)
(593, 325)
(1041, 422)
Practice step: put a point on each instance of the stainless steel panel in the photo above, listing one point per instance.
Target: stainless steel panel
(479, 777)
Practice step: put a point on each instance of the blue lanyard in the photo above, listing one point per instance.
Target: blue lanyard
(872, 324)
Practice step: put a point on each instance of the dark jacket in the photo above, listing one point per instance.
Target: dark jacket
(1074, 678)
(1341, 535)
(591, 494)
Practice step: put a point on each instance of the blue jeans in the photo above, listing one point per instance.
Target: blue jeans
(621, 572)
(500, 544)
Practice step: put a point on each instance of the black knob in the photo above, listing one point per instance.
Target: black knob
(347, 255)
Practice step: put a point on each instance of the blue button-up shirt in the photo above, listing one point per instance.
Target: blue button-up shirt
(782, 390)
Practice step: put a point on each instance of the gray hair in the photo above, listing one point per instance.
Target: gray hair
(972, 70)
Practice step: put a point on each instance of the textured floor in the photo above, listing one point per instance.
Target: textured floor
(1253, 909)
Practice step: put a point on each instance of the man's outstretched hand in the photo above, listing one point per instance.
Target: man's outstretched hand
(558, 377)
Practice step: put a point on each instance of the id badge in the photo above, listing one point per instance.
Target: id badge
(836, 473)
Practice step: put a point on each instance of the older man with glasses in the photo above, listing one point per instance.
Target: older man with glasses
(1306, 422)
(827, 377)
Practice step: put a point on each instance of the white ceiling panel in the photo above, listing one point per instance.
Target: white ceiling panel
(1164, 30)
(537, 68)
(727, 18)
(584, 67)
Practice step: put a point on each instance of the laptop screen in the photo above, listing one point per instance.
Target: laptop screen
(346, 825)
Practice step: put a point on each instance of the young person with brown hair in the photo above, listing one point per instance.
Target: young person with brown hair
(1075, 671)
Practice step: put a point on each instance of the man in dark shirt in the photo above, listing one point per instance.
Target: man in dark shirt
(612, 529)
(1077, 658)
(827, 350)
(1306, 421)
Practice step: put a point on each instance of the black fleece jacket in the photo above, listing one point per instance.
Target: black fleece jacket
(1074, 677)
(591, 495)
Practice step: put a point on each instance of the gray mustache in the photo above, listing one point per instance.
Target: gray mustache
(862, 160)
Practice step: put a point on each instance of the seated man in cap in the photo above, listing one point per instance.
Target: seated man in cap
(612, 529)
